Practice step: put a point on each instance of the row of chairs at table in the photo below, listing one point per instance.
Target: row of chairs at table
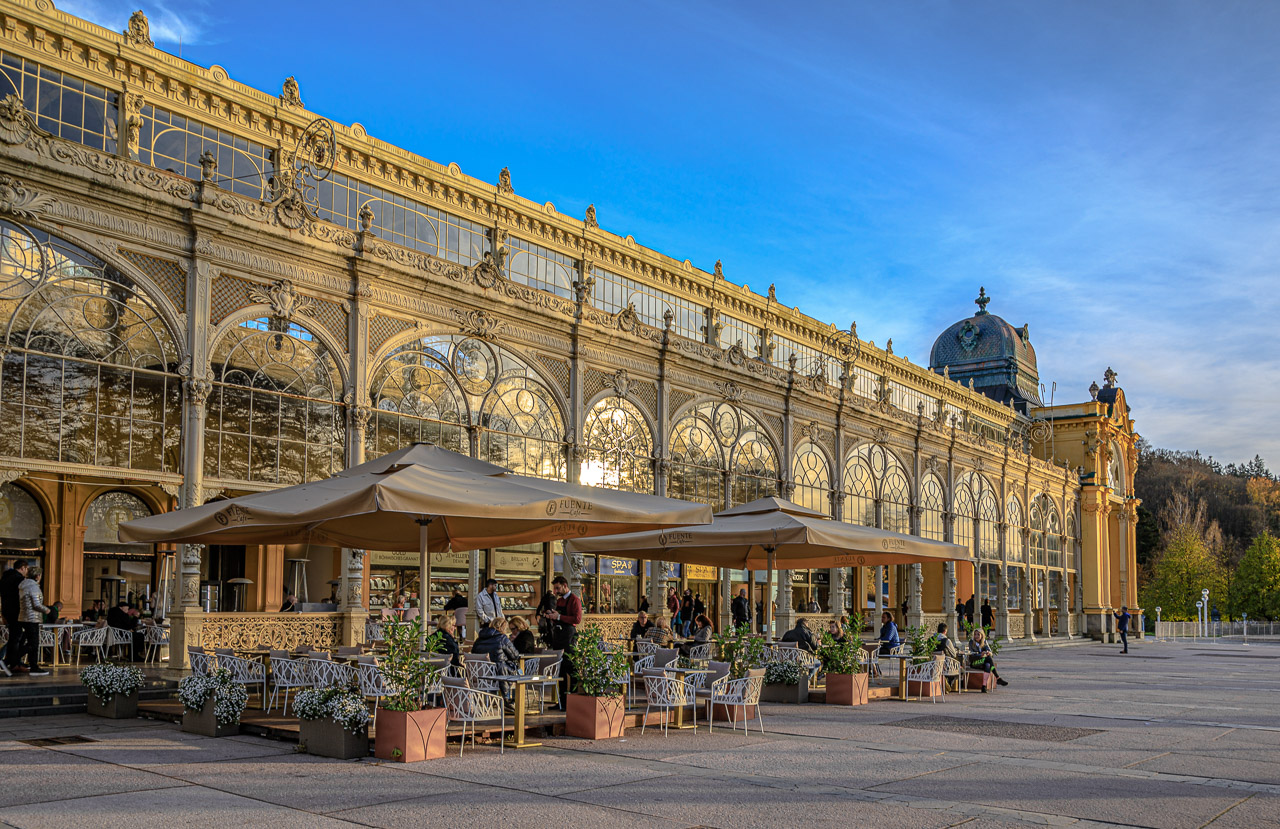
(103, 642)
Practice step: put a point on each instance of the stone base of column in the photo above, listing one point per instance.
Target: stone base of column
(186, 628)
(353, 627)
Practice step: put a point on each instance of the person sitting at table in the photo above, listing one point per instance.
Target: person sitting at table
(290, 603)
(522, 637)
(447, 627)
(888, 634)
(942, 644)
(660, 633)
(94, 612)
(801, 635)
(702, 633)
(836, 631)
(641, 626)
(494, 641)
(980, 656)
(55, 610)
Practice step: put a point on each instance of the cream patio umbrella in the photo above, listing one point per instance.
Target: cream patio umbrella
(769, 533)
(422, 498)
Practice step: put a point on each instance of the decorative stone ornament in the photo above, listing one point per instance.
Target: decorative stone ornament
(18, 199)
(504, 181)
(282, 298)
(621, 383)
(479, 324)
(16, 125)
(290, 94)
(719, 270)
(591, 217)
(730, 391)
(139, 31)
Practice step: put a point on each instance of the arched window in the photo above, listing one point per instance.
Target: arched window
(988, 521)
(21, 519)
(811, 475)
(1036, 525)
(933, 505)
(89, 367)
(715, 437)
(416, 399)
(1053, 533)
(1013, 530)
(964, 510)
(619, 447)
(873, 473)
(1073, 539)
(274, 414)
(104, 516)
(859, 492)
(1115, 471)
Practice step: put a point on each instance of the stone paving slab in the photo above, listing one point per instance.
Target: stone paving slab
(37, 775)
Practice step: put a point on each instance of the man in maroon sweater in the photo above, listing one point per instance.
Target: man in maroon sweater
(564, 623)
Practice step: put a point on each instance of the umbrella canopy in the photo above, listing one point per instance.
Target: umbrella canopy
(742, 538)
(378, 505)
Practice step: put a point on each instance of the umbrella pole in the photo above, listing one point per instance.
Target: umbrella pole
(424, 579)
(768, 599)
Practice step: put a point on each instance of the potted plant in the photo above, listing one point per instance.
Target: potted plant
(596, 710)
(923, 647)
(113, 690)
(407, 729)
(847, 683)
(785, 682)
(212, 704)
(742, 649)
(333, 722)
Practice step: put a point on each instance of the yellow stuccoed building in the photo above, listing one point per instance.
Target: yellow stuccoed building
(207, 290)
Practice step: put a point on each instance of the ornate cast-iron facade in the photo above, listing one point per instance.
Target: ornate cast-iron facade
(206, 290)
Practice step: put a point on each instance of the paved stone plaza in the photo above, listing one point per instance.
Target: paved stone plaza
(1170, 736)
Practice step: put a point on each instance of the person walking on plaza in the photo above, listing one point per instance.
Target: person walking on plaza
(31, 615)
(988, 618)
(1122, 625)
(564, 628)
(740, 608)
(686, 613)
(489, 603)
(11, 611)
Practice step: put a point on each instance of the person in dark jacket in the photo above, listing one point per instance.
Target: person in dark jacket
(644, 603)
(802, 636)
(447, 627)
(1122, 626)
(740, 609)
(521, 636)
(457, 605)
(699, 608)
(988, 618)
(686, 613)
(124, 617)
(290, 603)
(888, 634)
(494, 641)
(641, 626)
(10, 609)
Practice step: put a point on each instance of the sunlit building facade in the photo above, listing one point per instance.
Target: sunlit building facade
(207, 290)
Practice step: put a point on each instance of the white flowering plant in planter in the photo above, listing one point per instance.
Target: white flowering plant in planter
(229, 697)
(345, 707)
(784, 673)
(105, 680)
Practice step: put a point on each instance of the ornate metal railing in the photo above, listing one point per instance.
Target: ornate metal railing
(284, 631)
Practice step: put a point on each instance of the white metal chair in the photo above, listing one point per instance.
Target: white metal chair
(929, 673)
(668, 693)
(951, 670)
(373, 632)
(645, 646)
(92, 638)
(702, 652)
(48, 639)
(287, 674)
(801, 657)
(637, 670)
(4, 640)
(372, 683)
(156, 638)
(246, 672)
(550, 670)
(201, 663)
(735, 693)
(470, 706)
(480, 672)
(122, 639)
(325, 673)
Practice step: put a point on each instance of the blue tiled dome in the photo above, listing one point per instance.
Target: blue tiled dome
(996, 356)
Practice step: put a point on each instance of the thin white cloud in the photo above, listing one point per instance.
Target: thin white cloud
(168, 26)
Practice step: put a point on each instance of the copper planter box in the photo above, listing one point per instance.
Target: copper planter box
(121, 706)
(326, 738)
(205, 723)
(594, 718)
(847, 689)
(410, 736)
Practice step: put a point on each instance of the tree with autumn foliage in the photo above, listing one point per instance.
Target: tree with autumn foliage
(1179, 572)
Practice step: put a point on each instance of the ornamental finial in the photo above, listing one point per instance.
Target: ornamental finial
(982, 301)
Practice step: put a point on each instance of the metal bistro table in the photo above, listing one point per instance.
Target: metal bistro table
(60, 628)
(684, 674)
(520, 682)
(902, 672)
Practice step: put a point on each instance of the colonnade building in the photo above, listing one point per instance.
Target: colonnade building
(207, 290)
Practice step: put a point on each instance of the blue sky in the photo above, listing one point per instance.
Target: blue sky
(1108, 171)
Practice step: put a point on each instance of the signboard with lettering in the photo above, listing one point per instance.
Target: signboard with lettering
(703, 572)
(452, 560)
(506, 561)
(610, 566)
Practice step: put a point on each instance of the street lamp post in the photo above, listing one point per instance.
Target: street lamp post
(1205, 594)
(1199, 619)
(1244, 617)
(1158, 639)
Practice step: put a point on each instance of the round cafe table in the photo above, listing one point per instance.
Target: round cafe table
(521, 683)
